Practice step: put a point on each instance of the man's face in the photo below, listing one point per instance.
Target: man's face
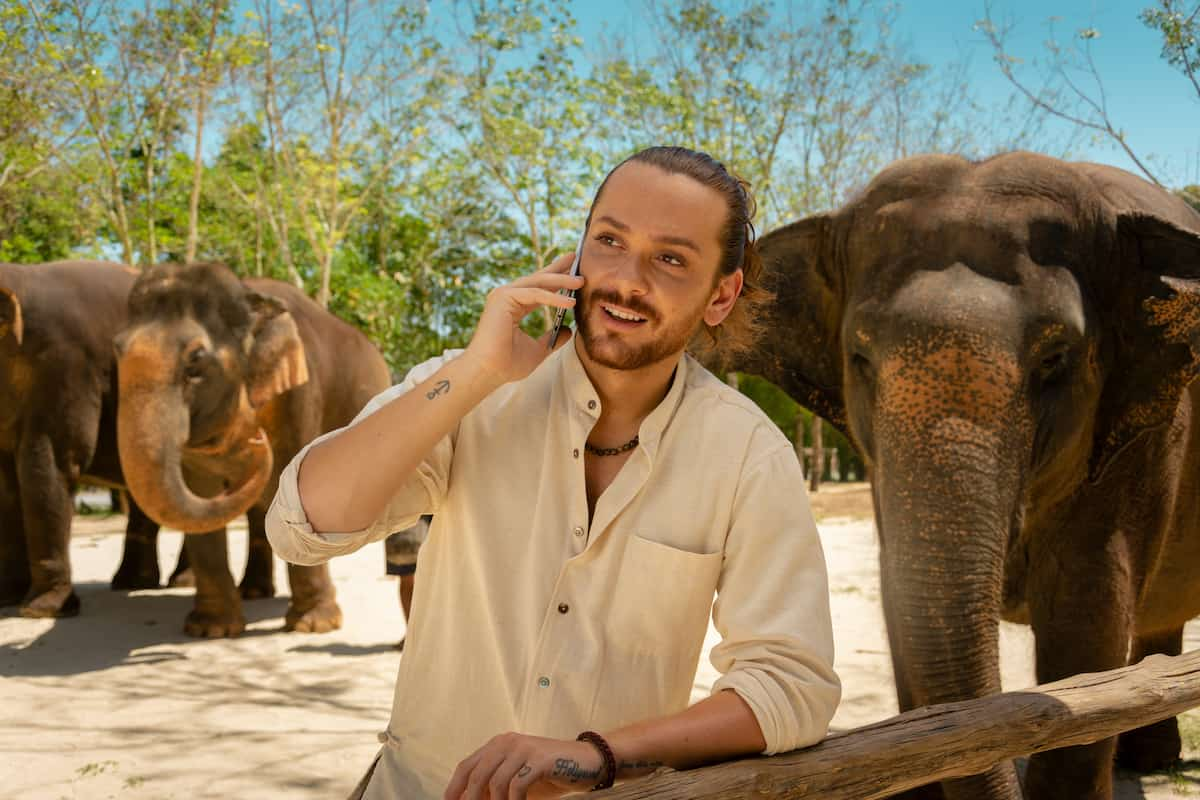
(650, 257)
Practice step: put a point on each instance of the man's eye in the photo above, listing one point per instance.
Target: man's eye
(606, 239)
(673, 260)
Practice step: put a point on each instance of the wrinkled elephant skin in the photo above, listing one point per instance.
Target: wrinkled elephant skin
(222, 381)
(1012, 345)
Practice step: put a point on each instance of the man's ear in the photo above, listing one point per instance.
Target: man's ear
(10, 316)
(1153, 328)
(275, 351)
(800, 348)
(726, 293)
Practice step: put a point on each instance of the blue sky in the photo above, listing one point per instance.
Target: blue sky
(1154, 104)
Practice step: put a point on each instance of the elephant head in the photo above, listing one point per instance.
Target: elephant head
(992, 336)
(201, 356)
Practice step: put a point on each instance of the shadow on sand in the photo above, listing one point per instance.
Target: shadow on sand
(116, 628)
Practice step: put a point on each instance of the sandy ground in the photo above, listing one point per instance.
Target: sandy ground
(118, 703)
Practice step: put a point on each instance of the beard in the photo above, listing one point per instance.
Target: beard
(613, 349)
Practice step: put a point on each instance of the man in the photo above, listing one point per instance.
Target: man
(587, 505)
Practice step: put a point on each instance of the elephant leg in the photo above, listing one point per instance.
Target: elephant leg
(1158, 746)
(47, 509)
(314, 607)
(139, 564)
(182, 576)
(218, 609)
(259, 578)
(1081, 606)
(14, 557)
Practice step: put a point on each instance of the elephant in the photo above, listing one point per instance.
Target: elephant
(1011, 343)
(221, 382)
(58, 427)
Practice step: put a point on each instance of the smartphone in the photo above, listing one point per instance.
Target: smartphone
(561, 313)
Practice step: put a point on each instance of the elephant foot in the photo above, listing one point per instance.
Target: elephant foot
(256, 587)
(128, 578)
(323, 617)
(61, 601)
(1154, 748)
(208, 625)
(182, 578)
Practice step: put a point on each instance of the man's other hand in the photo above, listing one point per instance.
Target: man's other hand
(514, 766)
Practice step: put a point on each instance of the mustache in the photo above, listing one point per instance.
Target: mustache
(639, 307)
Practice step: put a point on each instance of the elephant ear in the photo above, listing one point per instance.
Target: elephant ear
(276, 353)
(10, 316)
(800, 347)
(1157, 331)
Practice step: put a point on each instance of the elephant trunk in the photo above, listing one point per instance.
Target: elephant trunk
(152, 430)
(944, 519)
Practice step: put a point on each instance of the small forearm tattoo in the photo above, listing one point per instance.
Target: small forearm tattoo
(624, 765)
(441, 387)
(569, 768)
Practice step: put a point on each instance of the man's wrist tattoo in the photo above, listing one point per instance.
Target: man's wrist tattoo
(639, 765)
(441, 387)
(569, 768)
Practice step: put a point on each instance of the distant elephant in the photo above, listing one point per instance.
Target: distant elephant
(58, 426)
(1012, 345)
(221, 382)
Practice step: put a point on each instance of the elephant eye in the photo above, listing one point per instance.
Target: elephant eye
(194, 365)
(862, 368)
(1053, 365)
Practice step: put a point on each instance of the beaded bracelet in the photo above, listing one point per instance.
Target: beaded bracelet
(606, 753)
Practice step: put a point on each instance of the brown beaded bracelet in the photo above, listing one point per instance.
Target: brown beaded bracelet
(606, 753)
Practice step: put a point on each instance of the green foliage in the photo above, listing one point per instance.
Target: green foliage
(1177, 23)
(786, 412)
(1191, 195)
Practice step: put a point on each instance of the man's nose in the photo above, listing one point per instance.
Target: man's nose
(630, 274)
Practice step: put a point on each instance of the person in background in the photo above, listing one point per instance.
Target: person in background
(400, 549)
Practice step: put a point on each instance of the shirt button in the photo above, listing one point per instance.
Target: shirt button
(591, 405)
(575, 452)
(563, 608)
(544, 682)
(578, 531)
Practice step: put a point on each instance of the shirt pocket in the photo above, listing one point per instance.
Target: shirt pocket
(663, 597)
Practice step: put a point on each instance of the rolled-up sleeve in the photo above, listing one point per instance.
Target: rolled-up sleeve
(288, 528)
(772, 607)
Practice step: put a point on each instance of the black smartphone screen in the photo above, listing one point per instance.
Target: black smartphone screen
(561, 313)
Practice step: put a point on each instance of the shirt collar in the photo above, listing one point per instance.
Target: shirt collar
(584, 397)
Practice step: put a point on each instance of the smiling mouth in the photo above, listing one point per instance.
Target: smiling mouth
(624, 316)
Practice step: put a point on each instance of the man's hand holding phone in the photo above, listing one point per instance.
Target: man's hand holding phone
(499, 346)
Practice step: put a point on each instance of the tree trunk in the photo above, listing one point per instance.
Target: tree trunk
(198, 162)
(799, 439)
(818, 454)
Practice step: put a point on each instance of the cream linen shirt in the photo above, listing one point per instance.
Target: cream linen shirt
(527, 617)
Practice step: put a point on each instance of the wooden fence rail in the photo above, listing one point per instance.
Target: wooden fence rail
(945, 741)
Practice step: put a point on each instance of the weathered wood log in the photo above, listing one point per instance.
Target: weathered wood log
(945, 741)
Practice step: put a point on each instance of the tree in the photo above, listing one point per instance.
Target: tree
(522, 114)
(1072, 88)
(342, 86)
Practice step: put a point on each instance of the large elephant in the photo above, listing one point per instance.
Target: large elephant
(58, 426)
(1011, 343)
(221, 382)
